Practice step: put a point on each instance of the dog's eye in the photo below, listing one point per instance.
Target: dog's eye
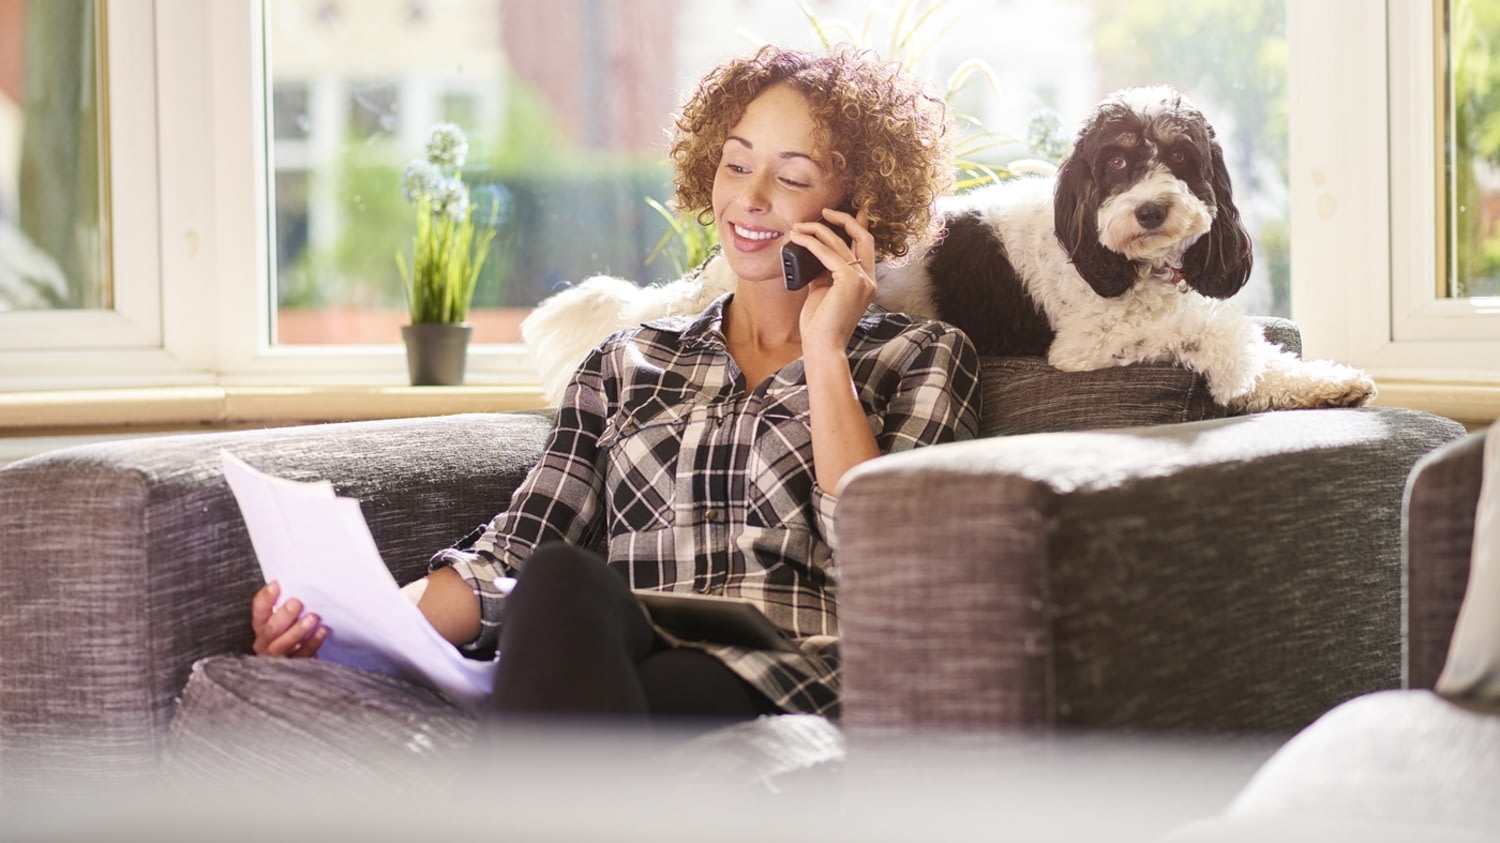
(1117, 162)
(1177, 157)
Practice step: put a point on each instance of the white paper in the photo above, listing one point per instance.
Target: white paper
(320, 549)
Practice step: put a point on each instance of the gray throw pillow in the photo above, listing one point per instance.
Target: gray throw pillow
(249, 719)
(1026, 395)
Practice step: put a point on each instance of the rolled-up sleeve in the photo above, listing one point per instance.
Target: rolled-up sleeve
(560, 500)
(936, 395)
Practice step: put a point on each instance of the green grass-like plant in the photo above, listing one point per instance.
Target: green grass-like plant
(447, 252)
(686, 242)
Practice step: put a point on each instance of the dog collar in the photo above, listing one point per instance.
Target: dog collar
(1170, 274)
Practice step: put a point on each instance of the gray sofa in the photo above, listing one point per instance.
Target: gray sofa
(1157, 565)
(1394, 765)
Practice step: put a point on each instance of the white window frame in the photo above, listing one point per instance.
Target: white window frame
(72, 346)
(232, 34)
(190, 256)
(1364, 197)
(191, 219)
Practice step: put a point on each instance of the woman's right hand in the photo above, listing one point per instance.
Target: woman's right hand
(284, 630)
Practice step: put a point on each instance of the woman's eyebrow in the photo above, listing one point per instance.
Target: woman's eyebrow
(788, 154)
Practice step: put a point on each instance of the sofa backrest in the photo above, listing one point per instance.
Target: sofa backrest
(1025, 395)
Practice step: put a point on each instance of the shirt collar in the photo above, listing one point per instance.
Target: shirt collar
(706, 329)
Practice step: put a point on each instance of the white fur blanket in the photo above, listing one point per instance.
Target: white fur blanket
(565, 327)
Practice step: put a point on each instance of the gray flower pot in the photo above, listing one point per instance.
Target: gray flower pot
(436, 352)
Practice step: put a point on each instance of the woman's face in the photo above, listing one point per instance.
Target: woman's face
(767, 180)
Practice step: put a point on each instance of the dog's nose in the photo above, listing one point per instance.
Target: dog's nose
(1152, 214)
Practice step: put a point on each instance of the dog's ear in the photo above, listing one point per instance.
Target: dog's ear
(1075, 220)
(1218, 265)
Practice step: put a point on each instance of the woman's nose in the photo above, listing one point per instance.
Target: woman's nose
(756, 195)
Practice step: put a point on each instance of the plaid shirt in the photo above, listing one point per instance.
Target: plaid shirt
(664, 463)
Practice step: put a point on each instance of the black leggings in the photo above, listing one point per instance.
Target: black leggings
(575, 641)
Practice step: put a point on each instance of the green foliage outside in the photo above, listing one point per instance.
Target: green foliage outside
(1475, 30)
(568, 213)
(908, 34)
(357, 267)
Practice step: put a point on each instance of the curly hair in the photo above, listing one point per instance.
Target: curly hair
(887, 139)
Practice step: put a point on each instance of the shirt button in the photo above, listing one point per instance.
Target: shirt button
(711, 514)
(719, 421)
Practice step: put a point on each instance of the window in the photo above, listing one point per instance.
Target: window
(53, 226)
(577, 154)
(254, 147)
(1376, 194)
(67, 287)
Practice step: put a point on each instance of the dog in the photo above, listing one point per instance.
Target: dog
(1126, 256)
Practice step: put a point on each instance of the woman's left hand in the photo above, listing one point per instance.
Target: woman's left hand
(838, 298)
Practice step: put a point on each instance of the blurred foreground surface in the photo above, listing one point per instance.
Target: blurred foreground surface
(594, 785)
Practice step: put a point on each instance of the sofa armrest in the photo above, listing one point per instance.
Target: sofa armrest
(1236, 573)
(123, 563)
(1438, 520)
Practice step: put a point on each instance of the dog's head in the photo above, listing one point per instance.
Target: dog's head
(1145, 194)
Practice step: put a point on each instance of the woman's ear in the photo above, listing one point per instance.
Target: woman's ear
(1218, 265)
(1075, 220)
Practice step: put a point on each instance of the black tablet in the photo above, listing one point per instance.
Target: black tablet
(714, 620)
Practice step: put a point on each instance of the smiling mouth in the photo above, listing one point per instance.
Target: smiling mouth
(754, 234)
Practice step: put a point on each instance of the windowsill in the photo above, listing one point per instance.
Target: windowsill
(1476, 406)
(175, 408)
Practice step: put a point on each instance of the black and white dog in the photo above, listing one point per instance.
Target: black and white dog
(1125, 257)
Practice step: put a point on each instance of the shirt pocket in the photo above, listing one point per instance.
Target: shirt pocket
(779, 471)
(640, 447)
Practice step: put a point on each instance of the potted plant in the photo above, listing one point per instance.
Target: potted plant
(447, 254)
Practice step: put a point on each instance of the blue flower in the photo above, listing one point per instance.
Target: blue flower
(493, 202)
(446, 147)
(1044, 134)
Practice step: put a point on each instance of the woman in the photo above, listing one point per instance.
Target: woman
(705, 453)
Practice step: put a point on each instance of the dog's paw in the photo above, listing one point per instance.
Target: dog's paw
(1294, 384)
(1348, 387)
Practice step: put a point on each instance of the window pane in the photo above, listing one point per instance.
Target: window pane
(565, 104)
(53, 229)
(1473, 148)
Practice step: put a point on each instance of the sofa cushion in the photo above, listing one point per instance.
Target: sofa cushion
(249, 720)
(1472, 669)
(1026, 395)
(255, 719)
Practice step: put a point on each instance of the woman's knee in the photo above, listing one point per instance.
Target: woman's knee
(560, 567)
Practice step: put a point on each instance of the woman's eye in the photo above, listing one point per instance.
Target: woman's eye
(793, 183)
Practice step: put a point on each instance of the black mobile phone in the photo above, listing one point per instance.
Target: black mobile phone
(801, 266)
